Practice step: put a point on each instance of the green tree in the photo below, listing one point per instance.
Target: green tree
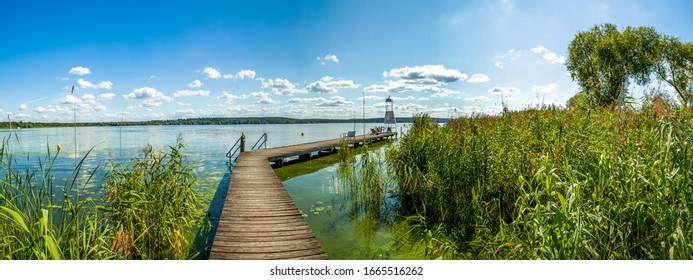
(604, 60)
(675, 67)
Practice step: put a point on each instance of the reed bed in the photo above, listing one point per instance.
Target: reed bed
(549, 184)
(149, 211)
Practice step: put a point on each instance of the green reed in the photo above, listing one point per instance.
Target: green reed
(549, 184)
(42, 220)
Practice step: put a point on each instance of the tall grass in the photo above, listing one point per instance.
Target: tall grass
(153, 207)
(151, 200)
(35, 225)
(549, 184)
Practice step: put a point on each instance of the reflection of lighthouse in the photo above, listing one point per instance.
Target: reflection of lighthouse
(389, 121)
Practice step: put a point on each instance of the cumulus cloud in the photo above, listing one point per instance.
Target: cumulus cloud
(328, 58)
(102, 85)
(281, 86)
(22, 107)
(427, 72)
(406, 86)
(499, 64)
(545, 89)
(504, 90)
(306, 100)
(184, 112)
(262, 98)
(329, 85)
(190, 93)
(477, 98)
(479, 78)
(243, 74)
(334, 101)
(106, 96)
(183, 104)
(371, 97)
(211, 73)
(151, 97)
(195, 84)
(548, 55)
(85, 105)
(228, 95)
(402, 98)
(79, 70)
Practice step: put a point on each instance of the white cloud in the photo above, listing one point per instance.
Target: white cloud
(435, 72)
(211, 73)
(477, 98)
(306, 100)
(334, 101)
(407, 85)
(262, 98)
(79, 70)
(403, 98)
(183, 104)
(511, 51)
(228, 95)
(539, 49)
(245, 74)
(281, 86)
(184, 112)
(328, 58)
(22, 107)
(151, 96)
(423, 99)
(371, 97)
(545, 89)
(499, 64)
(479, 78)
(191, 93)
(329, 85)
(195, 84)
(549, 55)
(106, 96)
(504, 90)
(445, 93)
(102, 85)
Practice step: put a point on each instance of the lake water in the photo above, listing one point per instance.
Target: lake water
(316, 194)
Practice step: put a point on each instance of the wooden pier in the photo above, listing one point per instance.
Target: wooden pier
(259, 220)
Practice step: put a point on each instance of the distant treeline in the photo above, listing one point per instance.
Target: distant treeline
(200, 121)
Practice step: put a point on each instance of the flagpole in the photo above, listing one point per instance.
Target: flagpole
(74, 100)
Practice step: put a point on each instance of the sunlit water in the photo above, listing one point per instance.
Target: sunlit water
(317, 195)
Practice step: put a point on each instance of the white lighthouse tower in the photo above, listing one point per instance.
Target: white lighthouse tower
(390, 122)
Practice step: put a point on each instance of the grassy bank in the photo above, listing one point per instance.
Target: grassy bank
(549, 184)
(148, 211)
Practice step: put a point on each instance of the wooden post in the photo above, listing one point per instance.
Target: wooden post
(242, 142)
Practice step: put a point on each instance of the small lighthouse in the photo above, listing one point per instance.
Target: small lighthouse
(390, 122)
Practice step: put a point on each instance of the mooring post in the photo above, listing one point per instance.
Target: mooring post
(242, 142)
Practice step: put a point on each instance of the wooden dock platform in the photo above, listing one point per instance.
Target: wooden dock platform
(259, 220)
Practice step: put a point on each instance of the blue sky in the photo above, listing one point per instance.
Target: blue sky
(140, 60)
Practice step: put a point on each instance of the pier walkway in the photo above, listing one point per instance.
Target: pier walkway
(259, 220)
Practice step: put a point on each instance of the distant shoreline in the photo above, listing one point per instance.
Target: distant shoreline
(200, 121)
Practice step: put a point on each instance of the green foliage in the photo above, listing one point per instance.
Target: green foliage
(152, 206)
(603, 60)
(676, 68)
(550, 184)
